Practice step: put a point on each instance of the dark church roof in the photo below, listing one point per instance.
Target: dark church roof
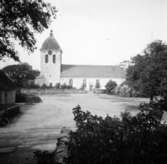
(6, 84)
(50, 43)
(92, 71)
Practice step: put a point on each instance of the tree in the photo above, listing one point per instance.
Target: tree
(18, 20)
(21, 73)
(148, 74)
(110, 86)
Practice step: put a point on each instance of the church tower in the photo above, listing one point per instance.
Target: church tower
(50, 61)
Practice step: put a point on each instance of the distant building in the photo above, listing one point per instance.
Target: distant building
(7, 90)
(54, 72)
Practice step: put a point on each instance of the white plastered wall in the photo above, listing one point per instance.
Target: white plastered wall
(77, 82)
(51, 71)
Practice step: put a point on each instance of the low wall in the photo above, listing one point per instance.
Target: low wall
(51, 91)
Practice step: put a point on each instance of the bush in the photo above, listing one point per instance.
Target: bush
(112, 140)
(44, 86)
(57, 86)
(65, 86)
(27, 98)
(44, 157)
(110, 86)
(20, 97)
(126, 91)
(33, 99)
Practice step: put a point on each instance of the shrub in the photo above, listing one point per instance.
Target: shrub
(20, 97)
(65, 86)
(126, 91)
(44, 157)
(110, 86)
(112, 140)
(28, 98)
(57, 86)
(44, 86)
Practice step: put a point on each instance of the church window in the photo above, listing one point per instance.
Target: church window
(83, 84)
(97, 84)
(46, 59)
(71, 83)
(54, 58)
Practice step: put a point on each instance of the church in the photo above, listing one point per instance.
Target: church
(53, 72)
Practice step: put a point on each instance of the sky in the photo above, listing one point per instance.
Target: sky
(103, 32)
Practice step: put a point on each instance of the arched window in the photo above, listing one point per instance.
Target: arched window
(83, 84)
(46, 59)
(71, 83)
(54, 58)
(97, 84)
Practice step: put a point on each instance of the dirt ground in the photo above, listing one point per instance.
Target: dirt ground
(39, 125)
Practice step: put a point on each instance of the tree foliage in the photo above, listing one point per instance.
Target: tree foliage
(125, 91)
(148, 74)
(21, 73)
(128, 140)
(18, 21)
(110, 86)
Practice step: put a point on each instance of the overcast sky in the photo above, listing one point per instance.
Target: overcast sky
(104, 32)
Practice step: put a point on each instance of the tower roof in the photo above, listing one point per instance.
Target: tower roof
(50, 43)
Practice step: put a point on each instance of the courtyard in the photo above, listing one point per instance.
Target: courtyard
(39, 125)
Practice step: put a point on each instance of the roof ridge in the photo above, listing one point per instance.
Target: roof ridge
(91, 65)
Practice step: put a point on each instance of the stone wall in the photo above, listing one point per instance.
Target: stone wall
(51, 91)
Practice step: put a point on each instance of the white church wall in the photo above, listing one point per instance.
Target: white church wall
(78, 82)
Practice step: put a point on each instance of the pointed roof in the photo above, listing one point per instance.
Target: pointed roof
(50, 43)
